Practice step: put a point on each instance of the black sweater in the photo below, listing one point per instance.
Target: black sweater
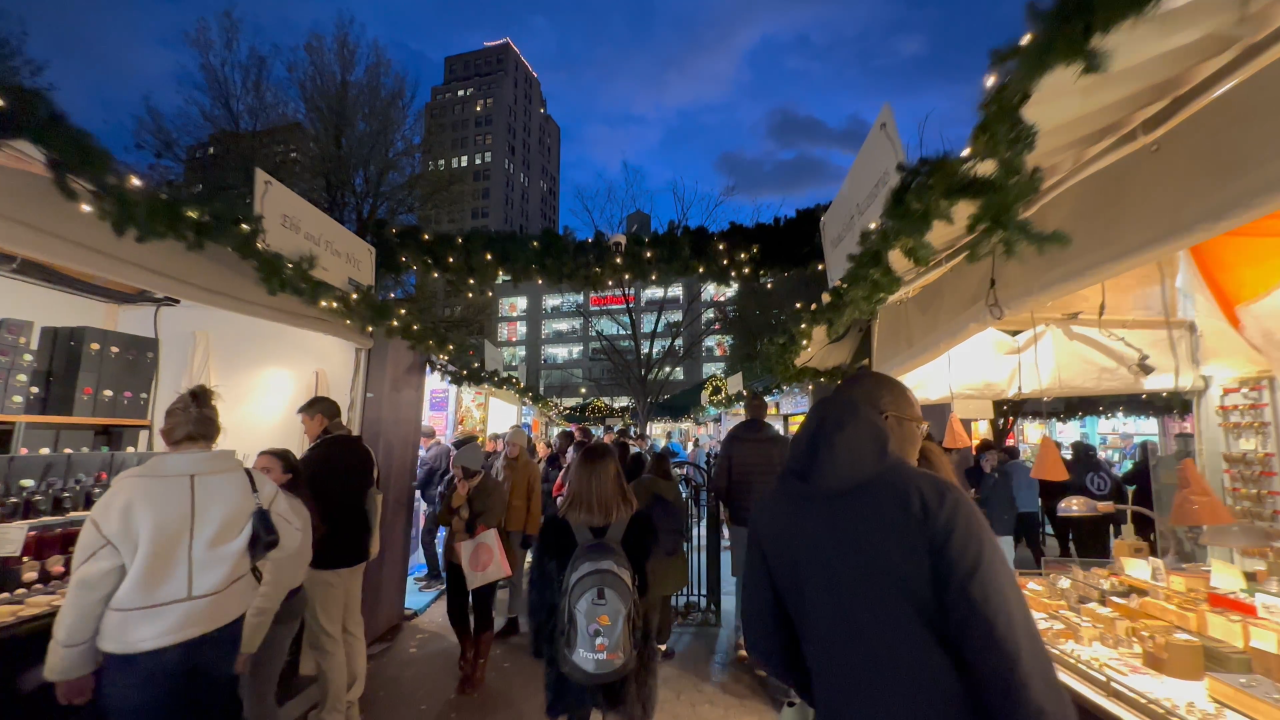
(877, 590)
(338, 471)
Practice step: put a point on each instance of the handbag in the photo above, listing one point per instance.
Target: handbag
(263, 536)
(795, 709)
(484, 559)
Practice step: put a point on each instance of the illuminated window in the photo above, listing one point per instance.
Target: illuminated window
(511, 331)
(655, 295)
(557, 354)
(719, 293)
(512, 356)
(562, 328)
(671, 320)
(464, 161)
(562, 303)
(609, 325)
(717, 345)
(674, 373)
(454, 162)
(488, 156)
(709, 369)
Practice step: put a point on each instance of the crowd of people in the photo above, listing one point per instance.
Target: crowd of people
(857, 552)
(192, 575)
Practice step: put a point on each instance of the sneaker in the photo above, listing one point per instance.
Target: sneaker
(431, 585)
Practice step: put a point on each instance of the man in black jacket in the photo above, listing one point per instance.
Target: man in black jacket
(863, 566)
(339, 471)
(433, 468)
(751, 457)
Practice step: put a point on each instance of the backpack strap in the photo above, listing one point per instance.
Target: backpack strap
(617, 530)
(582, 533)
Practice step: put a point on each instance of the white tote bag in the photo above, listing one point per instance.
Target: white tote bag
(796, 709)
(484, 560)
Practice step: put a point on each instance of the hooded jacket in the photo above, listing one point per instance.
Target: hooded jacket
(860, 566)
(338, 470)
(433, 473)
(751, 457)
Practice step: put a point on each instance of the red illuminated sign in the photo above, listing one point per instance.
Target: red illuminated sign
(611, 300)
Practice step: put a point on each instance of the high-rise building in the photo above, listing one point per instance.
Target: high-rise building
(222, 164)
(488, 125)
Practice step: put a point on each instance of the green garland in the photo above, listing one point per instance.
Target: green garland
(993, 173)
(408, 257)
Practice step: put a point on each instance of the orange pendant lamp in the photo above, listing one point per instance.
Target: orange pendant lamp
(956, 438)
(1049, 465)
(1195, 503)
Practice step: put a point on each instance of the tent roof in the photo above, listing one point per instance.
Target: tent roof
(1201, 162)
(37, 222)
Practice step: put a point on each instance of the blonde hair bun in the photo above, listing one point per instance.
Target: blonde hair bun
(192, 418)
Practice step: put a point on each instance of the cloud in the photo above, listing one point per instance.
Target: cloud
(769, 175)
(790, 130)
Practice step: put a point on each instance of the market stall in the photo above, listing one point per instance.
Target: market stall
(101, 334)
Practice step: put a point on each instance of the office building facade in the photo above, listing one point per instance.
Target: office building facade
(549, 336)
(488, 126)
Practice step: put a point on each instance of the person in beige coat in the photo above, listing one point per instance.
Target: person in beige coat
(519, 474)
(161, 579)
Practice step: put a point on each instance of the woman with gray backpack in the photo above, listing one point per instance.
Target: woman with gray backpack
(587, 589)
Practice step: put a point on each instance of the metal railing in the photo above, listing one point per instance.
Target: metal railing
(699, 602)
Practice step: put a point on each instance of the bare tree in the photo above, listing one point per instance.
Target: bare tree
(233, 88)
(17, 67)
(603, 207)
(364, 123)
(693, 205)
(645, 334)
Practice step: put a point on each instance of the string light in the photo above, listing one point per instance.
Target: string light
(135, 181)
(966, 152)
(1025, 40)
(989, 80)
(86, 207)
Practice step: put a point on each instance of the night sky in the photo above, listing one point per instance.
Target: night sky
(772, 95)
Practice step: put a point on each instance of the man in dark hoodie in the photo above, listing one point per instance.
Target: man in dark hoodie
(751, 457)
(339, 471)
(433, 470)
(862, 566)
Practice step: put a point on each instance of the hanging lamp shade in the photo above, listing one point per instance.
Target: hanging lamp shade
(956, 438)
(1049, 465)
(1195, 503)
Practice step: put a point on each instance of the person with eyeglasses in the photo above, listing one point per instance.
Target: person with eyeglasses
(862, 565)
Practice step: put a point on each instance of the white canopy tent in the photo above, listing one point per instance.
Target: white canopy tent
(1171, 145)
(263, 352)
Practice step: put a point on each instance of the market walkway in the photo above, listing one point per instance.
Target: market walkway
(414, 678)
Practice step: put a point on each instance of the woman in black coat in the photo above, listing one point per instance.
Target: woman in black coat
(597, 496)
(1138, 477)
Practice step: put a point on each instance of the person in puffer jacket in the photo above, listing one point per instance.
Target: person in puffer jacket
(161, 579)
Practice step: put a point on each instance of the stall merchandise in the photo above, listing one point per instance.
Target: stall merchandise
(1160, 643)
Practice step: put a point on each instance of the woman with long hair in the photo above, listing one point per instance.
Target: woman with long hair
(273, 619)
(162, 579)
(596, 498)
(562, 482)
(658, 493)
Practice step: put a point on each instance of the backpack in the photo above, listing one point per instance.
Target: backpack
(598, 608)
(671, 523)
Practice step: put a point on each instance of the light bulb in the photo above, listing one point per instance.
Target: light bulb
(989, 80)
(135, 181)
(1026, 39)
(86, 208)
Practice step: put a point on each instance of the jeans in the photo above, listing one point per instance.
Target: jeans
(458, 601)
(193, 679)
(430, 534)
(737, 562)
(515, 584)
(335, 636)
(258, 685)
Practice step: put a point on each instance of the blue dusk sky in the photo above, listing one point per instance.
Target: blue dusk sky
(772, 96)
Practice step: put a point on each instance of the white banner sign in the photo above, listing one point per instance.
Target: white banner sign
(493, 359)
(295, 228)
(735, 383)
(862, 196)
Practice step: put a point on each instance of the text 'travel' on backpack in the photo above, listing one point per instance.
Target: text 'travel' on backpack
(598, 609)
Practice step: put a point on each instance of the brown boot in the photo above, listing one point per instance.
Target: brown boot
(467, 647)
(480, 661)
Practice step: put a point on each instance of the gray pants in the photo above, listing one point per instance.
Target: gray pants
(737, 565)
(258, 685)
(515, 586)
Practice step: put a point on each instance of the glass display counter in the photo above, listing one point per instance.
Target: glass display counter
(1132, 649)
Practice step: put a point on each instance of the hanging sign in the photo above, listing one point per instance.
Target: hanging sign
(295, 228)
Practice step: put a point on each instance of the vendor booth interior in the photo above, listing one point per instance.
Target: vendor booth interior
(100, 334)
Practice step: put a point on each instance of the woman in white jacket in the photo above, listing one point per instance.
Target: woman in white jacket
(161, 579)
(276, 613)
